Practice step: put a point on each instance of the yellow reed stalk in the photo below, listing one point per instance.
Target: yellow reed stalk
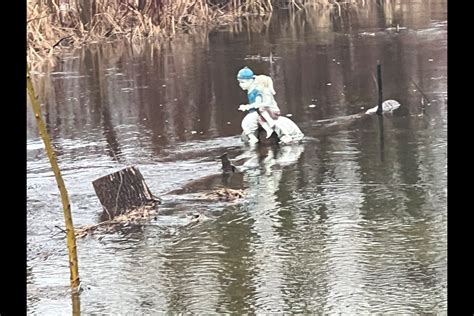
(71, 238)
(172, 24)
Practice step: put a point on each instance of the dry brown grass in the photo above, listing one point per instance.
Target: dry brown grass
(54, 24)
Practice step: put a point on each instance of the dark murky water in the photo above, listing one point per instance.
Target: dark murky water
(354, 220)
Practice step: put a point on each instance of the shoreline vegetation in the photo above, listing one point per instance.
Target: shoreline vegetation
(55, 24)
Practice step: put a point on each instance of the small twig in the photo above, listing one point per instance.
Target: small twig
(57, 43)
(62, 230)
(375, 80)
(108, 213)
(41, 17)
(419, 89)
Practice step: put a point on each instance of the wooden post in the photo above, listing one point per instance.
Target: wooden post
(381, 138)
(123, 191)
(379, 87)
(71, 237)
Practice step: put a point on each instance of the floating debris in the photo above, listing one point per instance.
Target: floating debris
(371, 34)
(387, 106)
(312, 105)
(253, 57)
(135, 217)
(397, 28)
(224, 194)
(270, 58)
(196, 218)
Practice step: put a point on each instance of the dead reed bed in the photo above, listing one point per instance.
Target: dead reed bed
(55, 24)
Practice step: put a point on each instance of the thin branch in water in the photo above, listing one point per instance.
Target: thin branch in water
(375, 80)
(419, 89)
(62, 230)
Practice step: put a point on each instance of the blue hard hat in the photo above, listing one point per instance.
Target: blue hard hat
(245, 73)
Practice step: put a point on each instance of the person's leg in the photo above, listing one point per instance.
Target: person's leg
(250, 126)
(266, 122)
(268, 118)
(284, 132)
(267, 128)
(289, 130)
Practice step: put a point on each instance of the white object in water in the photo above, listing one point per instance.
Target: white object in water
(387, 106)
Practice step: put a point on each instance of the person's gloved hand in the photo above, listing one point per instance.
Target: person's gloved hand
(244, 107)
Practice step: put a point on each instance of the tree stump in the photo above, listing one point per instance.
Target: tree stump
(123, 191)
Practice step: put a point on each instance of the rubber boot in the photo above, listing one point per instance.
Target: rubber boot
(286, 139)
(252, 139)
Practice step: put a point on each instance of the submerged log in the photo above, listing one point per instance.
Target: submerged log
(123, 191)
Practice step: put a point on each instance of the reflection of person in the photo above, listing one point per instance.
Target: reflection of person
(266, 202)
(263, 109)
(282, 157)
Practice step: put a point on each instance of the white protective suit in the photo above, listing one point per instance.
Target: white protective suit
(261, 92)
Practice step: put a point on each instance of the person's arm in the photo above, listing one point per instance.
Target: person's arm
(258, 103)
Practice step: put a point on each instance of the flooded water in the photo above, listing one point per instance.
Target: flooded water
(351, 221)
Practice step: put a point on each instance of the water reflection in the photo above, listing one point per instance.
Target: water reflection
(264, 180)
(351, 221)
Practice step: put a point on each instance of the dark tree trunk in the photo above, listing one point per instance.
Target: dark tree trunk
(123, 191)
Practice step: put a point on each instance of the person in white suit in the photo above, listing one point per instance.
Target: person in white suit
(263, 109)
